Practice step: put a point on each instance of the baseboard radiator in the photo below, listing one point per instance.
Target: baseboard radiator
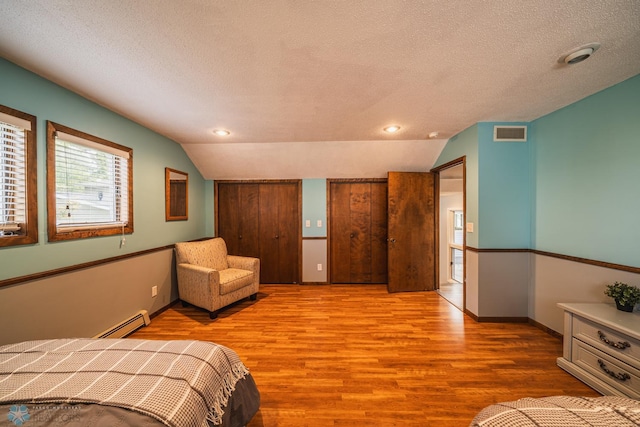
(127, 326)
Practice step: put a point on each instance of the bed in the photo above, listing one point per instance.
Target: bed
(125, 382)
(561, 411)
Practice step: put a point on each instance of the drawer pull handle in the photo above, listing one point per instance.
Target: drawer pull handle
(619, 376)
(619, 345)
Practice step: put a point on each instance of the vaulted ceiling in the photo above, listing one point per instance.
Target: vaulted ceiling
(305, 87)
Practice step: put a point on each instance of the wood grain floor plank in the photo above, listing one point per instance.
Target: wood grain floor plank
(347, 355)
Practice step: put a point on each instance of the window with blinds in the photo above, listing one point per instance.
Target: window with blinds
(12, 181)
(92, 185)
(18, 209)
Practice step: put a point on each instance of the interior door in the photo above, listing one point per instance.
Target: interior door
(289, 232)
(279, 233)
(340, 232)
(262, 220)
(379, 233)
(412, 231)
(269, 235)
(238, 218)
(358, 232)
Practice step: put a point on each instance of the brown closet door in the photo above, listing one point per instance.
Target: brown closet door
(238, 218)
(279, 232)
(379, 263)
(340, 232)
(290, 217)
(269, 234)
(358, 215)
(262, 220)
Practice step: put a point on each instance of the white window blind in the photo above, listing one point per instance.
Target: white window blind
(13, 205)
(91, 184)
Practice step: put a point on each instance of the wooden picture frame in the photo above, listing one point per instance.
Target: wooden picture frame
(176, 184)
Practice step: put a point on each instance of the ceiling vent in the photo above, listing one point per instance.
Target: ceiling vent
(510, 133)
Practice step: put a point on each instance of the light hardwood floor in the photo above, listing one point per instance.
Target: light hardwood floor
(452, 292)
(354, 355)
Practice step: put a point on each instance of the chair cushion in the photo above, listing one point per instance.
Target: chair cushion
(233, 279)
(210, 253)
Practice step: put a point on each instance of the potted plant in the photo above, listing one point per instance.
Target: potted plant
(626, 296)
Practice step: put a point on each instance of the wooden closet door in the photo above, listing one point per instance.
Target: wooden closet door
(228, 223)
(360, 233)
(269, 234)
(249, 217)
(379, 263)
(262, 220)
(279, 232)
(340, 232)
(358, 215)
(238, 218)
(290, 220)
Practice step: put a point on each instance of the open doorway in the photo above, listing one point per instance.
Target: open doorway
(451, 248)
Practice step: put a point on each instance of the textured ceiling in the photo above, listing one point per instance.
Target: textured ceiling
(308, 85)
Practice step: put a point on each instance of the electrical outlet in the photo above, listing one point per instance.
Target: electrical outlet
(154, 291)
(319, 267)
(319, 223)
(307, 223)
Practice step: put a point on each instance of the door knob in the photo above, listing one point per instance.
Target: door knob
(392, 240)
(352, 235)
(277, 237)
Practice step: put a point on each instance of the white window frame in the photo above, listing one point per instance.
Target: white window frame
(18, 175)
(120, 187)
(451, 241)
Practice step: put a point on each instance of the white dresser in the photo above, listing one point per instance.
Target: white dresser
(601, 347)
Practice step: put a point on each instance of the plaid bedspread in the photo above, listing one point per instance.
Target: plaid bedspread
(180, 383)
(561, 411)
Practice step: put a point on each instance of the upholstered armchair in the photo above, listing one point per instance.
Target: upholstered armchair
(209, 278)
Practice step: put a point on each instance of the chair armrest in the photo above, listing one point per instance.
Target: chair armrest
(244, 263)
(195, 268)
(247, 263)
(198, 285)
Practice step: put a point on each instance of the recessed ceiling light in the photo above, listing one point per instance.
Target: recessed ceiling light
(222, 132)
(391, 129)
(433, 135)
(579, 54)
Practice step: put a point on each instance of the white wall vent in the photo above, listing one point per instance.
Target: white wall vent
(510, 133)
(127, 326)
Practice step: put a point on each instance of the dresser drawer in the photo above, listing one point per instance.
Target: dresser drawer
(609, 369)
(607, 340)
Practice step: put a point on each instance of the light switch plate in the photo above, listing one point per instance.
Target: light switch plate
(319, 223)
(307, 223)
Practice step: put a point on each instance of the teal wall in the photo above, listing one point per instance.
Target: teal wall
(572, 189)
(314, 207)
(503, 197)
(586, 166)
(27, 92)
